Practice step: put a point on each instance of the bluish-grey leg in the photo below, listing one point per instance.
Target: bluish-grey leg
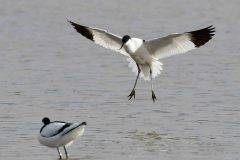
(153, 94)
(59, 153)
(132, 94)
(65, 152)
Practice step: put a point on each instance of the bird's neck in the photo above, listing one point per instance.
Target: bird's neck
(133, 45)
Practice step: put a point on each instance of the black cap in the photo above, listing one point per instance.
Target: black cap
(125, 38)
(46, 120)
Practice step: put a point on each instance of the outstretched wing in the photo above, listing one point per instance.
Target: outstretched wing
(101, 37)
(179, 43)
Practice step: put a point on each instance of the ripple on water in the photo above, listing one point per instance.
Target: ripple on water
(145, 136)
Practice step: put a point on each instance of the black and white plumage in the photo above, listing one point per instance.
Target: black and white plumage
(143, 55)
(59, 134)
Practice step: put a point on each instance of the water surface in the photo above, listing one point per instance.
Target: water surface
(47, 69)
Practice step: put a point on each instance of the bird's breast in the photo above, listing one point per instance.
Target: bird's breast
(133, 45)
(141, 56)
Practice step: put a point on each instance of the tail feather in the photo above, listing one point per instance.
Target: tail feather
(132, 65)
(156, 68)
(145, 70)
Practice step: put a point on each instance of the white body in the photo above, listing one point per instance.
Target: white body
(140, 55)
(61, 139)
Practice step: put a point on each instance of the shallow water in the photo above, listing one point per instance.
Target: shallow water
(47, 69)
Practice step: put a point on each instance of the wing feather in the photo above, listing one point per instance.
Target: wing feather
(101, 37)
(54, 128)
(179, 43)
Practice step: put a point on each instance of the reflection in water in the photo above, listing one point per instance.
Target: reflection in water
(76, 158)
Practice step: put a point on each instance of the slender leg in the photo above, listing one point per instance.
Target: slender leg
(65, 152)
(59, 153)
(153, 94)
(133, 90)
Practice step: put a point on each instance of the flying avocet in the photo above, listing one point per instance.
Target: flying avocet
(143, 55)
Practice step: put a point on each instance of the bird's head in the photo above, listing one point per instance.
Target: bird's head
(124, 40)
(46, 120)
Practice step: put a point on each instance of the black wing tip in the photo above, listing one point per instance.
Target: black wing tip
(84, 123)
(202, 36)
(83, 30)
(72, 23)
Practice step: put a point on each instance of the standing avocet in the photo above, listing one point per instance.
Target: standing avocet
(143, 55)
(59, 134)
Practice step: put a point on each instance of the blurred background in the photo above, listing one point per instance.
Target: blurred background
(48, 69)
